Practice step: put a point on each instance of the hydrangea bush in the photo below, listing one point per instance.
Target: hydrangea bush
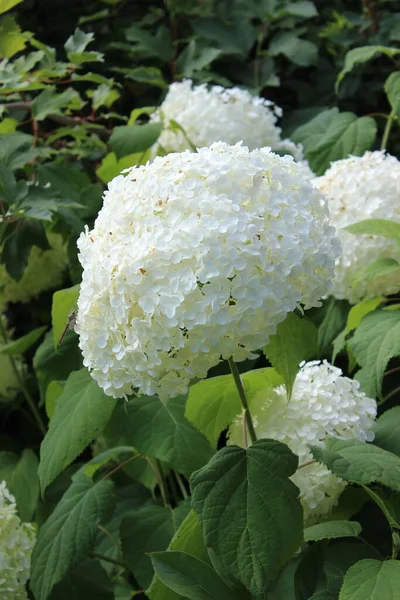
(16, 542)
(199, 116)
(199, 292)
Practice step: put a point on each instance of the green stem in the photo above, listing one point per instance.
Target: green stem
(388, 128)
(181, 485)
(390, 395)
(162, 483)
(243, 399)
(22, 386)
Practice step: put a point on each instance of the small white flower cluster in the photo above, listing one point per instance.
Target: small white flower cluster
(323, 403)
(195, 258)
(360, 188)
(229, 115)
(16, 543)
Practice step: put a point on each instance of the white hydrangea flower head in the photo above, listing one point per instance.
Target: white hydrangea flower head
(195, 258)
(360, 188)
(209, 115)
(16, 544)
(324, 403)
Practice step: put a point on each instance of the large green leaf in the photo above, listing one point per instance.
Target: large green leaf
(301, 52)
(63, 302)
(387, 431)
(296, 339)
(8, 4)
(360, 462)
(249, 510)
(361, 55)
(372, 580)
(88, 581)
(375, 342)
(332, 135)
(68, 534)
(22, 344)
(331, 530)
(20, 474)
(149, 529)
(384, 227)
(131, 139)
(378, 268)
(190, 577)
(48, 102)
(21, 236)
(11, 38)
(392, 89)
(16, 149)
(188, 538)
(213, 404)
(81, 413)
(160, 430)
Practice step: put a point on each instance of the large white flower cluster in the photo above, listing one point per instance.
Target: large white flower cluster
(218, 114)
(323, 403)
(16, 543)
(359, 188)
(197, 257)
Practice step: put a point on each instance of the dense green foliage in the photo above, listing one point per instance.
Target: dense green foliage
(144, 498)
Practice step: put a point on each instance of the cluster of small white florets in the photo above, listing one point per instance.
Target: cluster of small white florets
(360, 188)
(195, 258)
(323, 403)
(16, 543)
(209, 115)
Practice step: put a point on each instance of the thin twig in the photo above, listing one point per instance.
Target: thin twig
(110, 560)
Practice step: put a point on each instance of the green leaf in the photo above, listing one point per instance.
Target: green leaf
(78, 41)
(11, 39)
(88, 581)
(358, 311)
(20, 237)
(333, 135)
(392, 89)
(361, 55)
(81, 413)
(149, 529)
(303, 8)
(301, 52)
(24, 484)
(334, 316)
(339, 557)
(375, 342)
(190, 577)
(387, 431)
(23, 344)
(68, 534)
(193, 58)
(378, 268)
(104, 95)
(48, 102)
(213, 404)
(149, 75)
(16, 149)
(20, 474)
(6, 5)
(160, 430)
(135, 138)
(360, 462)
(110, 166)
(372, 580)
(53, 392)
(388, 229)
(63, 303)
(296, 339)
(331, 530)
(249, 510)
(189, 539)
